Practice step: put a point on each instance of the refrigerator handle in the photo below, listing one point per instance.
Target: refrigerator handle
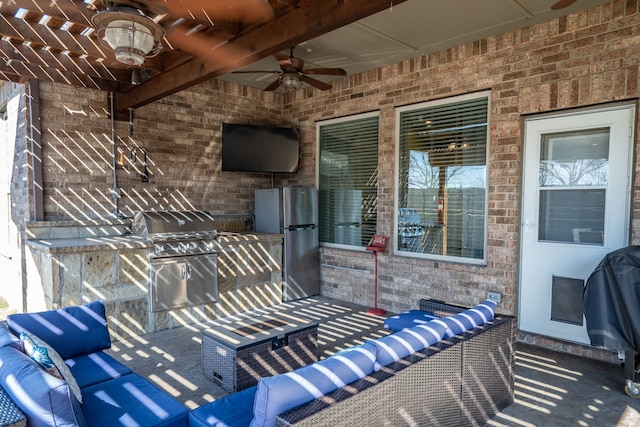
(301, 227)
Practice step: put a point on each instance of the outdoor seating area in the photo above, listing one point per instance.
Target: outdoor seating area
(548, 386)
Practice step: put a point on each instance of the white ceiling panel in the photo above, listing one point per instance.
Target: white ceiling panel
(411, 29)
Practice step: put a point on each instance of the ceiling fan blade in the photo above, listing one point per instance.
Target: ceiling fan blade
(562, 4)
(206, 48)
(252, 11)
(255, 71)
(326, 71)
(273, 86)
(316, 83)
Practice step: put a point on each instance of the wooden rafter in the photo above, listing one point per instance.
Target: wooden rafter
(53, 40)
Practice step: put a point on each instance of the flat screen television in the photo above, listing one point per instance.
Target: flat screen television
(249, 148)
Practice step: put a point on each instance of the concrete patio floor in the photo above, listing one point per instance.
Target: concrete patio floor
(552, 389)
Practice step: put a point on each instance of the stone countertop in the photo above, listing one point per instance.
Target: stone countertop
(90, 244)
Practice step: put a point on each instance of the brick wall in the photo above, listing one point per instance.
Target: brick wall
(583, 59)
(181, 135)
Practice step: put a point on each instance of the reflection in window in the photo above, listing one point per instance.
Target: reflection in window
(442, 182)
(348, 179)
(572, 176)
(575, 159)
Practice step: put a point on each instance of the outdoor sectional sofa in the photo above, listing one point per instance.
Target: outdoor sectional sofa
(95, 389)
(456, 369)
(453, 369)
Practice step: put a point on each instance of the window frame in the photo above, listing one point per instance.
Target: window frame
(427, 104)
(337, 120)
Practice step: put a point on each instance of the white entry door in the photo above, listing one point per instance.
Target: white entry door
(575, 210)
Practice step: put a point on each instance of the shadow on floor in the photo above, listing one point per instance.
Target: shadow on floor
(552, 389)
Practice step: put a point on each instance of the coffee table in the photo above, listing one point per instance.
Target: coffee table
(238, 352)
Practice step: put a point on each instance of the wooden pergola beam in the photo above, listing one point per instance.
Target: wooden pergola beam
(311, 19)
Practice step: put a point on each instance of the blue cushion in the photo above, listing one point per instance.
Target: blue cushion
(452, 324)
(401, 344)
(44, 399)
(431, 332)
(71, 331)
(93, 368)
(469, 319)
(478, 315)
(486, 310)
(407, 319)
(131, 400)
(7, 338)
(280, 393)
(233, 410)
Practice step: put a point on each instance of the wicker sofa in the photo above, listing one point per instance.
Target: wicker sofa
(462, 380)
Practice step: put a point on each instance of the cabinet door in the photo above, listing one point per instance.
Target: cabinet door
(202, 279)
(169, 285)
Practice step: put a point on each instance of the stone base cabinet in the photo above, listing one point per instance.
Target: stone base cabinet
(74, 263)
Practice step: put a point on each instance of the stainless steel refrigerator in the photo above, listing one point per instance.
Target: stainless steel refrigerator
(293, 211)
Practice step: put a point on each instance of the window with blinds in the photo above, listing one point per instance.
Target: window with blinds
(348, 179)
(442, 177)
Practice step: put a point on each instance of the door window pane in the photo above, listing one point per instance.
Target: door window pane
(575, 159)
(573, 175)
(572, 216)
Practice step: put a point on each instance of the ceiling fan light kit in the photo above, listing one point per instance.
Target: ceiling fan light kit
(131, 34)
(293, 76)
(291, 81)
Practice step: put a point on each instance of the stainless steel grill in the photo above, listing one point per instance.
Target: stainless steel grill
(175, 233)
(183, 262)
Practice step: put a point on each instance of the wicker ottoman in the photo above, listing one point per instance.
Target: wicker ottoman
(237, 354)
(10, 414)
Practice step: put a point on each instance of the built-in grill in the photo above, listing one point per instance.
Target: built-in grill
(182, 258)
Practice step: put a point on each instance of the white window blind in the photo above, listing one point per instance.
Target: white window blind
(348, 179)
(442, 189)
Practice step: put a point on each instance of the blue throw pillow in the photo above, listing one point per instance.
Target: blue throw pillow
(44, 399)
(71, 331)
(277, 394)
(49, 360)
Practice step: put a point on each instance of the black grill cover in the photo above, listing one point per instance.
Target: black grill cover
(612, 301)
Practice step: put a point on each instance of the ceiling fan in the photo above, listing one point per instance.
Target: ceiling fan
(292, 75)
(562, 4)
(139, 29)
